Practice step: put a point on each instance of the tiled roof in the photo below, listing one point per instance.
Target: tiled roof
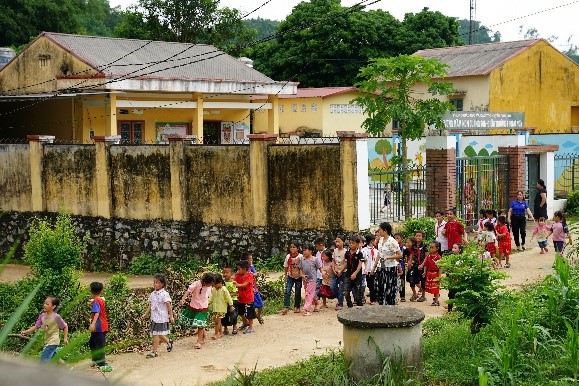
(138, 58)
(314, 92)
(477, 59)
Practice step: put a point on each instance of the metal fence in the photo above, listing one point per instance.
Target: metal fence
(566, 174)
(387, 193)
(489, 181)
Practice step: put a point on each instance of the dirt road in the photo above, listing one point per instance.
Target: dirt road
(281, 340)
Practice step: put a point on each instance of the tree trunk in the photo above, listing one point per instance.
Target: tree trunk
(406, 181)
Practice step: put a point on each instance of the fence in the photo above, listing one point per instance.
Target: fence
(481, 183)
(566, 174)
(387, 193)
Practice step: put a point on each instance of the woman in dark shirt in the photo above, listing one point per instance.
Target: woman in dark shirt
(518, 212)
(540, 209)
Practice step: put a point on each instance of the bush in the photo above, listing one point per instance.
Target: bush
(425, 224)
(270, 264)
(573, 202)
(147, 265)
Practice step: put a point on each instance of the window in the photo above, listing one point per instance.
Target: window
(44, 60)
(294, 107)
(345, 109)
(314, 107)
(304, 108)
(457, 103)
(395, 124)
(131, 132)
(280, 109)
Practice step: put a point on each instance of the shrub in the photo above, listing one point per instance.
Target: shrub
(147, 265)
(573, 202)
(425, 224)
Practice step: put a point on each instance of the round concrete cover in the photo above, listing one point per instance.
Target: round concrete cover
(380, 317)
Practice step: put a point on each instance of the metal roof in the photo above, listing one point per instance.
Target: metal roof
(156, 59)
(313, 92)
(477, 59)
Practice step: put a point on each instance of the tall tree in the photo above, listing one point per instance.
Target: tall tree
(388, 86)
(483, 34)
(427, 29)
(264, 28)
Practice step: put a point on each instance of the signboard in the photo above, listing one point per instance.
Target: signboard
(483, 120)
(166, 129)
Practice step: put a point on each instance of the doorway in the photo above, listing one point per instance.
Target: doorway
(211, 132)
(533, 174)
(132, 132)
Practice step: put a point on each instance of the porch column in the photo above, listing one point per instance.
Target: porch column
(36, 154)
(111, 114)
(440, 174)
(516, 161)
(273, 115)
(547, 174)
(178, 177)
(258, 172)
(197, 125)
(103, 174)
(355, 185)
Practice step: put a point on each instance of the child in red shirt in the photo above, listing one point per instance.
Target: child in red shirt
(454, 230)
(244, 282)
(99, 325)
(432, 271)
(504, 237)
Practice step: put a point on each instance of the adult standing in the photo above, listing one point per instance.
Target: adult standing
(518, 212)
(386, 266)
(540, 209)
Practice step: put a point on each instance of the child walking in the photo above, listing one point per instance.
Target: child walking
(220, 302)
(161, 314)
(308, 270)
(195, 315)
(387, 197)
(51, 323)
(432, 272)
(231, 318)
(327, 276)
(560, 232)
(257, 300)
(99, 325)
(416, 274)
(504, 237)
(541, 231)
(370, 254)
(407, 256)
(339, 266)
(353, 273)
(490, 240)
(293, 279)
(244, 282)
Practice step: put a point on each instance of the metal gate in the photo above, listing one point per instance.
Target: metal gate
(481, 183)
(533, 168)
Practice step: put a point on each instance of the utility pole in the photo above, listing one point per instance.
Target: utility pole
(472, 20)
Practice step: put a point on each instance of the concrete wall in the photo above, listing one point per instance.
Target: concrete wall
(15, 178)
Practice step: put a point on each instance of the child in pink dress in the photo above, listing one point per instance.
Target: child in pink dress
(309, 268)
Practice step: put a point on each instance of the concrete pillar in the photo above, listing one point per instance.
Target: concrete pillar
(547, 174)
(36, 154)
(273, 115)
(516, 160)
(258, 171)
(374, 333)
(197, 125)
(111, 114)
(440, 174)
(179, 197)
(103, 173)
(355, 185)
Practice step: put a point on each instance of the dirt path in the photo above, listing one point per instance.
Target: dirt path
(277, 342)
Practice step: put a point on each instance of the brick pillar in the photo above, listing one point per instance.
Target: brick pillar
(516, 161)
(440, 173)
(258, 171)
(103, 173)
(36, 154)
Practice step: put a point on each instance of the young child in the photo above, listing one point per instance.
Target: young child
(220, 302)
(308, 271)
(542, 231)
(370, 254)
(257, 301)
(320, 245)
(244, 282)
(339, 266)
(51, 323)
(231, 318)
(491, 216)
(196, 314)
(407, 256)
(327, 275)
(432, 272)
(99, 325)
(418, 256)
(293, 279)
(503, 212)
(482, 214)
(504, 237)
(490, 240)
(387, 197)
(438, 227)
(353, 273)
(560, 232)
(161, 315)
(454, 230)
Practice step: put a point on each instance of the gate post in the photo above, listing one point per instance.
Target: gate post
(516, 164)
(441, 159)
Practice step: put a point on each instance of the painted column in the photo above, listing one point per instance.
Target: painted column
(111, 114)
(36, 154)
(179, 198)
(103, 173)
(258, 171)
(440, 174)
(516, 160)
(355, 185)
(197, 125)
(547, 174)
(273, 115)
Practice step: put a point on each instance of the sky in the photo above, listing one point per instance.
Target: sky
(505, 16)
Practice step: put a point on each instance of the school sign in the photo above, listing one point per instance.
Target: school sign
(483, 120)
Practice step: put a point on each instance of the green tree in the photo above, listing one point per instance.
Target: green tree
(482, 34)
(388, 86)
(263, 28)
(427, 29)
(98, 18)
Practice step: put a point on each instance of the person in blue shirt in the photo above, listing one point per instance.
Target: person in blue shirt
(517, 216)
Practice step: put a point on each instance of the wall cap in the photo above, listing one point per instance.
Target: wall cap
(351, 135)
(262, 137)
(182, 138)
(41, 138)
(116, 139)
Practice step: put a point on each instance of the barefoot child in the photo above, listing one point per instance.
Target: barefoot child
(432, 272)
(244, 282)
(257, 301)
(231, 318)
(542, 232)
(161, 314)
(195, 315)
(309, 267)
(51, 323)
(99, 325)
(220, 302)
(327, 275)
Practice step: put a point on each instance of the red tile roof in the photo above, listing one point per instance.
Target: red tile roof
(314, 92)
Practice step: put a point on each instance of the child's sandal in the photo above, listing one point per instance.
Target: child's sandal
(152, 355)
(197, 346)
(170, 345)
(260, 320)
(234, 332)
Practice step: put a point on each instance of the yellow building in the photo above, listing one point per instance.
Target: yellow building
(76, 87)
(529, 76)
(322, 111)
